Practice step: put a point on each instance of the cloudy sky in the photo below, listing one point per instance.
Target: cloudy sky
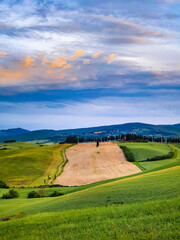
(80, 63)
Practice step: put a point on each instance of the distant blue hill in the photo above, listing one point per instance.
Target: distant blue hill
(60, 135)
(13, 132)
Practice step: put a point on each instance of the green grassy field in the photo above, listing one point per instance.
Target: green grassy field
(160, 163)
(151, 220)
(142, 151)
(26, 164)
(44, 142)
(143, 206)
(158, 185)
(177, 145)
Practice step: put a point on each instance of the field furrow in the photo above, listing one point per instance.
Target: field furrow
(88, 163)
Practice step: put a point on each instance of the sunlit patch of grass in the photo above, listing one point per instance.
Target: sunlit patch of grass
(143, 151)
(151, 220)
(26, 164)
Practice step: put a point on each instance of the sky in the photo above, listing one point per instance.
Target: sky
(82, 63)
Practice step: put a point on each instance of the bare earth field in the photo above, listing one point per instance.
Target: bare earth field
(88, 164)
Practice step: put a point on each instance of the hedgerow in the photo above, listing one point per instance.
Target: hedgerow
(128, 154)
(166, 156)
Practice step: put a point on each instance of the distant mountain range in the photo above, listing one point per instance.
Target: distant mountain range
(24, 135)
(13, 132)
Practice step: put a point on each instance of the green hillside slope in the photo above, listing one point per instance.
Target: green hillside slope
(146, 221)
(159, 185)
(23, 164)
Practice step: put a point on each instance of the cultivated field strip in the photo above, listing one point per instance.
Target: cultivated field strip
(88, 163)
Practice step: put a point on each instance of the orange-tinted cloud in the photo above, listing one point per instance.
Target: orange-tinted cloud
(77, 54)
(86, 61)
(96, 54)
(130, 28)
(39, 54)
(67, 66)
(156, 34)
(44, 61)
(28, 61)
(139, 40)
(73, 79)
(62, 75)
(2, 54)
(111, 57)
(129, 40)
(8, 76)
(59, 62)
(50, 71)
(58, 50)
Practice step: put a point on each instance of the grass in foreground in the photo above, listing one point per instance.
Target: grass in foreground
(140, 221)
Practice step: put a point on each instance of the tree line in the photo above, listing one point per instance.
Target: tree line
(123, 137)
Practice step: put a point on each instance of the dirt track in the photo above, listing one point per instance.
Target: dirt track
(88, 164)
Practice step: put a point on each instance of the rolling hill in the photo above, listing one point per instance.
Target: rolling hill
(13, 132)
(60, 135)
(139, 207)
(23, 164)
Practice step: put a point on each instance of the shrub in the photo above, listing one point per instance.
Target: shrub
(4, 148)
(56, 194)
(51, 186)
(9, 141)
(166, 156)
(128, 154)
(6, 196)
(33, 194)
(11, 194)
(5, 218)
(3, 184)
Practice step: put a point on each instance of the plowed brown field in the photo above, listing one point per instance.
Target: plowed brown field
(88, 163)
